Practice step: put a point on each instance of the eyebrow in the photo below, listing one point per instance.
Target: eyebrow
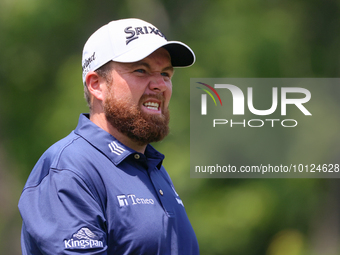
(146, 65)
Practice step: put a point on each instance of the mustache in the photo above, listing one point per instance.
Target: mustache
(159, 97)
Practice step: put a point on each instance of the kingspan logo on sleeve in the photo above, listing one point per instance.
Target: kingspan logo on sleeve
(84, 238)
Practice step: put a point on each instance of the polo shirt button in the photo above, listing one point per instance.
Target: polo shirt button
(161, 192)
(137, 156)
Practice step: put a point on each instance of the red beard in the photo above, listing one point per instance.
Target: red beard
(139, 126)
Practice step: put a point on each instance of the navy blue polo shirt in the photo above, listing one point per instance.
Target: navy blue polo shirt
(89, 193)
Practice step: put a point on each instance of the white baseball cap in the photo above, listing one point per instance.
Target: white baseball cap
(130, 40)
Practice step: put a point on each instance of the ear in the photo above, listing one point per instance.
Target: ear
(95, 85)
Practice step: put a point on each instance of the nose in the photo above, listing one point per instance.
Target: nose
(159, 83)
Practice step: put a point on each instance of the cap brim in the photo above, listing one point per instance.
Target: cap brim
(181, 54)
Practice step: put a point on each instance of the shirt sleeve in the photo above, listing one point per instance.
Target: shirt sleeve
(62, 215)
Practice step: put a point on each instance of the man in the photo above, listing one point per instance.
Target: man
(103, 189)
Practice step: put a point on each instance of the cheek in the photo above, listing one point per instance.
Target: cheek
(134, 90)
(122, 92)
(170, 89)
(167, 95)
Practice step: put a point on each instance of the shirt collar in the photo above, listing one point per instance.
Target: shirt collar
(109, 145)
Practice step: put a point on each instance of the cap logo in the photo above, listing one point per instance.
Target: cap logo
(136, 31)
(88, 61)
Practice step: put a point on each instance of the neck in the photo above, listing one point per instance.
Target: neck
(100, 120)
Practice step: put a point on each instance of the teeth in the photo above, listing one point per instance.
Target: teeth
(151, 105)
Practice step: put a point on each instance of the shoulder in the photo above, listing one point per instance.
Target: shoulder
(64, 154)
(65, 165)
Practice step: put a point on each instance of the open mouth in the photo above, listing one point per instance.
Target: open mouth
(152, 105)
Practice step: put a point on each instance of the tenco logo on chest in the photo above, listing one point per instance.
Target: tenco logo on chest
(135, 32)
(131, 199)
(238, 105)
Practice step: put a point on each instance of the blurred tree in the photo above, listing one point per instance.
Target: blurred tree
(41, 97)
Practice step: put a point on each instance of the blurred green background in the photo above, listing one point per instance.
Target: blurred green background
(41, 97)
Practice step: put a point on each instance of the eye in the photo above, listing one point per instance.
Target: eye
(165, 74)
(140, 71)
